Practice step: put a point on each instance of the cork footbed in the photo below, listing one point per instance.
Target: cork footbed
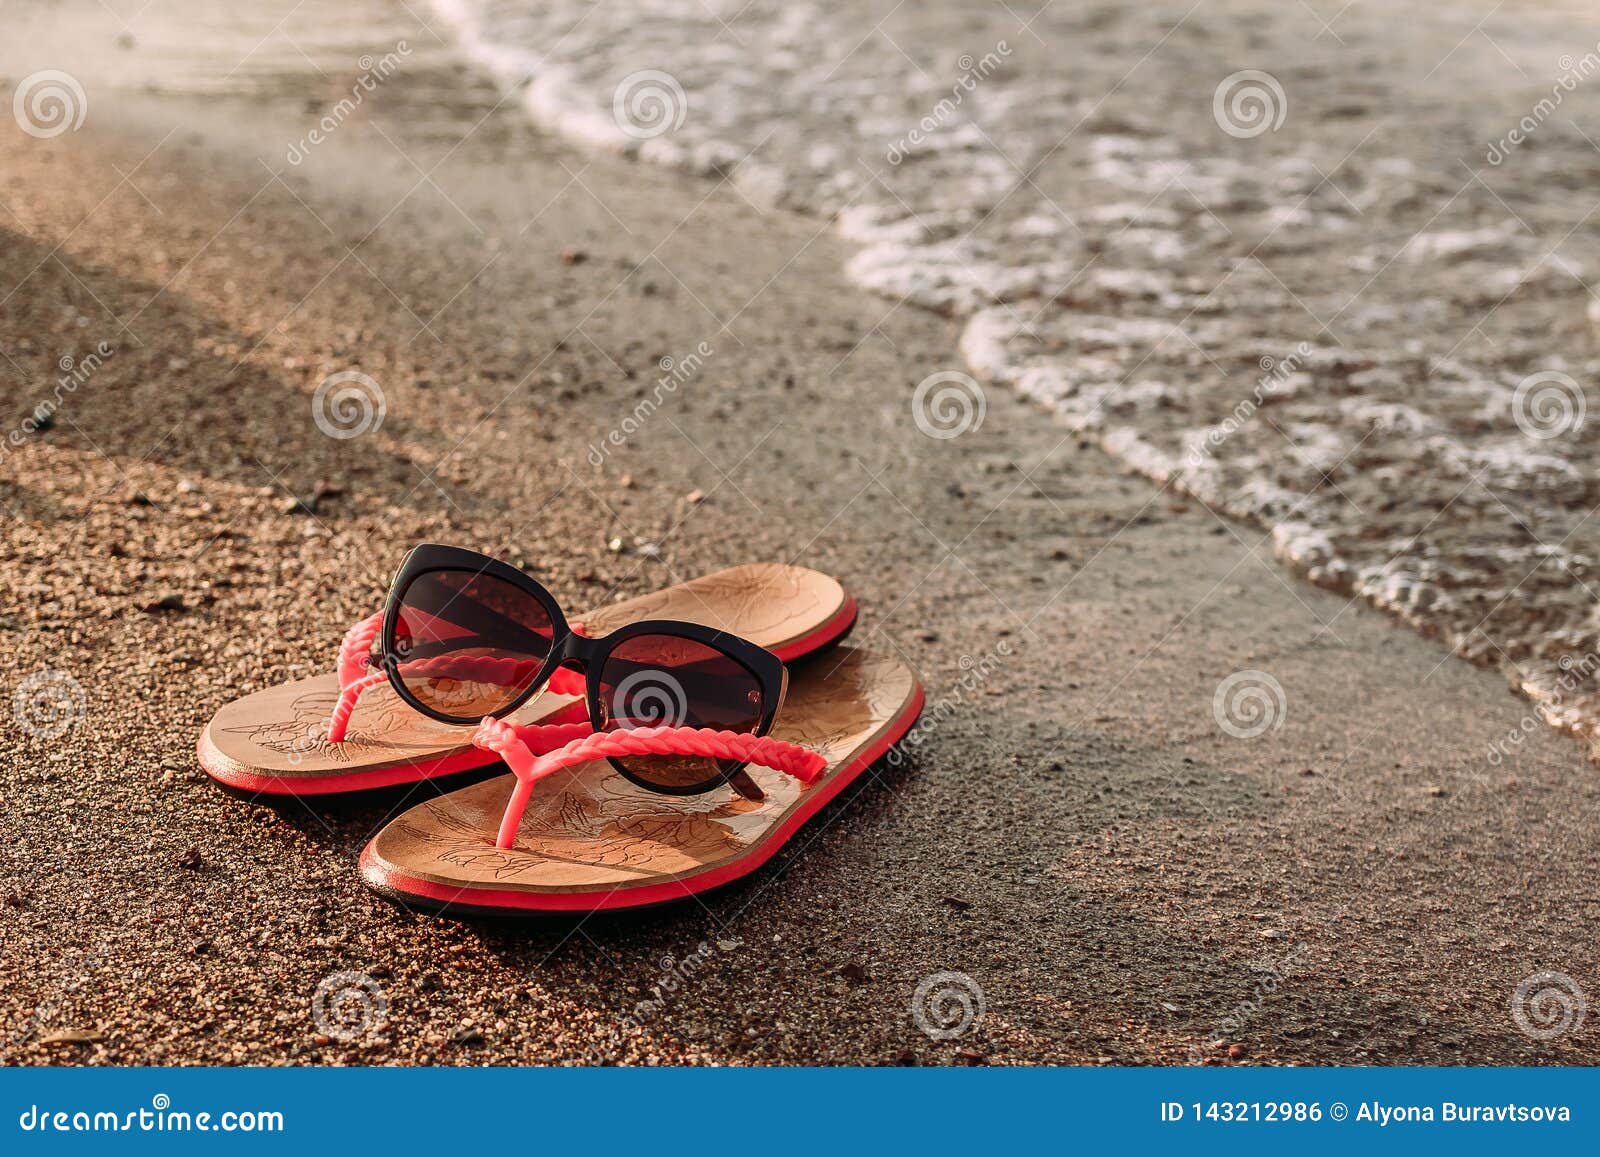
(275, 741)
(590, 839)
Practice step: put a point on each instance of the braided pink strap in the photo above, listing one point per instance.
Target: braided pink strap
(355, 648)
(354, 676)
(519, 745)
(507, 742)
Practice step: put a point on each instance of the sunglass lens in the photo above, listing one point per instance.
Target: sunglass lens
(666, 681)
(466, 644)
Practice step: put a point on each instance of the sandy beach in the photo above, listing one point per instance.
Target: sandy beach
(1126, 867)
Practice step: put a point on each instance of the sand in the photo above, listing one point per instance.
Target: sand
(1367, 881)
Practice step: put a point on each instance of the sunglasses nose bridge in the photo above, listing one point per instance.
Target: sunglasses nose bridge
(577, 650)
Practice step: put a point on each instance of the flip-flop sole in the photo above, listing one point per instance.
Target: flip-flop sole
(592, 841)
(274, 741)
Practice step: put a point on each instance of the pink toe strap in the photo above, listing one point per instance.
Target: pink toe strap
(520, 745)
(339, 722)
(356, 647)
(355, 675)
(509, 742)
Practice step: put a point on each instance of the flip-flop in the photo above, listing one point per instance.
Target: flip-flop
(349, 731)
(566, 833)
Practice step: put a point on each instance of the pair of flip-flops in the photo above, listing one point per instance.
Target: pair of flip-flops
(667, 745)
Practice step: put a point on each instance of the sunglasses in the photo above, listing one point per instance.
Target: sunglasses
(466, 637)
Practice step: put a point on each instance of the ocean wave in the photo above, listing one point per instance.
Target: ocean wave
(1296, 295)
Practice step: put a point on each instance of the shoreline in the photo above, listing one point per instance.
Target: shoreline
(1077, 833)
(1120, 277)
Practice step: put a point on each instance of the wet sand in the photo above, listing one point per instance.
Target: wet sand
(1367, 881)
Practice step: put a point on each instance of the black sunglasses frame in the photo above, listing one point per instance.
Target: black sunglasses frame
(589, 655)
